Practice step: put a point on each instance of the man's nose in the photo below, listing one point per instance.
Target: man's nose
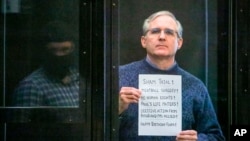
(162, 35)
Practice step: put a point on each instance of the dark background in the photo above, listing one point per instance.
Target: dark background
(215, 49)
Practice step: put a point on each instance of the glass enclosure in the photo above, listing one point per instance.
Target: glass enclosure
(107, 34)
(61, 103)
(27, 113)
(199, 52)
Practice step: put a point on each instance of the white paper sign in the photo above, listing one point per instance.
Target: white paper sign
(160, 106)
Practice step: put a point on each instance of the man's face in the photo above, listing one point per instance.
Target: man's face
(161, 40)
(59, 57)
(60, 48)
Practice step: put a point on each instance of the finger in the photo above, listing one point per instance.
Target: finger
(130, 91)
(188, 132)
(187, 135)
(129, 98)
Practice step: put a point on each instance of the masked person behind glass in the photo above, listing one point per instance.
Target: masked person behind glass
(162, 38)
(56, 82)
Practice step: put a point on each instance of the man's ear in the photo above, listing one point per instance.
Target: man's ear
(143, 41)
(180, 42)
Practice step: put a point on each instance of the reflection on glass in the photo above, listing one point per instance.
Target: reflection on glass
(56, 81)
(40, 58)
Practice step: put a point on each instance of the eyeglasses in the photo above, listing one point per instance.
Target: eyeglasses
(167, 31)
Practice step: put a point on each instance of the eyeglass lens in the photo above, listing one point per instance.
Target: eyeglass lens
(167, 31)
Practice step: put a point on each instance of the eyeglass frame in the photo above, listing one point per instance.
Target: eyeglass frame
(167, 31)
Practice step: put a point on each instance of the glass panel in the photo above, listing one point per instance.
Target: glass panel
(198, 54)
(242, 65)
(28, 50)
(40, 53)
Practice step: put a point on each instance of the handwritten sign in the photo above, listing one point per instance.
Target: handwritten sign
(160, 106)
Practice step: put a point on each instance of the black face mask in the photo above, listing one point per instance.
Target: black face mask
(58, 66)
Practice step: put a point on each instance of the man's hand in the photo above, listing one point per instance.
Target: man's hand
(187, 135)
(128, 95)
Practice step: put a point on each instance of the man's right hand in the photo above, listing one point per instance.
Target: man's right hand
(128, 95)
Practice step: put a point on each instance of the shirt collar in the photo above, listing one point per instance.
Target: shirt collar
(154, 66)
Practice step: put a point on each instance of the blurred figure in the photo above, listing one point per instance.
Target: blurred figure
(56, 82)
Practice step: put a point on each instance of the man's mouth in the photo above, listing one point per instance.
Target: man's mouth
(160, 46)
